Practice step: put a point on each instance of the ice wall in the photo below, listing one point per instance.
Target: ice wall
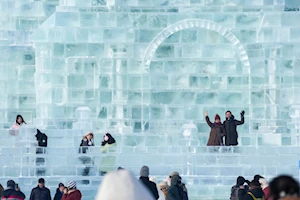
(155, 65)
(147, 69)
(17, 67)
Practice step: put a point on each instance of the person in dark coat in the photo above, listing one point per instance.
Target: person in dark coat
(239, 185)
(182, 185)
(12, 192)
(230, 124)
(147, 183)
(217, 131)
(175, 191)
(59, 192)
(255, 192)
(86, 142)
(284, 188)
(40, 192)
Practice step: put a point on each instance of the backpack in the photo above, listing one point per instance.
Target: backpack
(234, 193)
(254, 198)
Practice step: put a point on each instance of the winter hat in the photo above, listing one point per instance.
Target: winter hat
(144, 171)
(174, 173)
(61, 185)
(126, 185)
(217, 117)
(72, 185)
(11, 184)
(240, 181)
(263, 182)
(257, 177)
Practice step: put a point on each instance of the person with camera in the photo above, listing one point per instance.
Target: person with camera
(12, 192)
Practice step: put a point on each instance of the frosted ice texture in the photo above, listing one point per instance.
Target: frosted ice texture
(146, 68)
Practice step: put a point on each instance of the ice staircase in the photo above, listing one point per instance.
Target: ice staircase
(209, 172)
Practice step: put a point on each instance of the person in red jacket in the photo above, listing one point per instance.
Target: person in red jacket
(71, 193)
(264, 185)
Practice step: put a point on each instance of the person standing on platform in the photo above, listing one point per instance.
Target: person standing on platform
(19, 122)
(86, 142)
(230, 124)
(217, 131)
(108, 162)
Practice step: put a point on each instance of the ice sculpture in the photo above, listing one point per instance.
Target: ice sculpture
(146, 71)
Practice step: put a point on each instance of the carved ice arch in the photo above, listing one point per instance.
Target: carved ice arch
(195, 23)
(187, 24)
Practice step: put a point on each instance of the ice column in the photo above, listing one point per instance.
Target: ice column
(27, 140)
(119, 100)
(190, 132)
(84, 124)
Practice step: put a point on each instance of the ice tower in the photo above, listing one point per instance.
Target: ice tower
(146, 71)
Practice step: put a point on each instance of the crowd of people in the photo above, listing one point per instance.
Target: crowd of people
(280, 188)
(41, 192)
(122, 185)
(171, 189)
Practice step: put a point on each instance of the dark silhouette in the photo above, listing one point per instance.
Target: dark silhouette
(147, 183)
(13, 191)
(59, 192)
(230, 124)
(40, 192)
(283, 187)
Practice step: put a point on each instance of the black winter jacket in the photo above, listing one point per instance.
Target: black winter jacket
(151, 186)
(58, 194)
(244, 195)
(12, 194)
(175, 191)
(231, 137)
(85, 143)
(40, 194)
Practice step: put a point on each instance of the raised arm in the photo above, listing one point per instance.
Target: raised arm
(207, 119)
(242, 119)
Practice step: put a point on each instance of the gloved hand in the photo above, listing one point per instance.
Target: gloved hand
(242, 112)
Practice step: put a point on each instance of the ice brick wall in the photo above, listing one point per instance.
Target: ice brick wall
(99, 54)
(150, 66)
(18, 19)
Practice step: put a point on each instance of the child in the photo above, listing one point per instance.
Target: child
(217, 131)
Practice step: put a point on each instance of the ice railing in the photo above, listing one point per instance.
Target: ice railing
(201, 160)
